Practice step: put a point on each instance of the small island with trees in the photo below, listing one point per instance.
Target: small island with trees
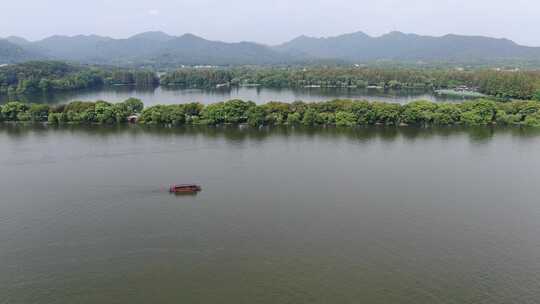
(342, 113)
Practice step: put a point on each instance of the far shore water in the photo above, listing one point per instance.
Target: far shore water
(163, 95)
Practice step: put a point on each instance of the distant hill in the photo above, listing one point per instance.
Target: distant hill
(13, 53)
(18, 40)
(190, 49)
(155, 36)
(154, 48)
(187, 49)
(397, 46)
(77, 48)
(161, 49)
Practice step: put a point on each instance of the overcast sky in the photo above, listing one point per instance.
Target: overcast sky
(272, 21)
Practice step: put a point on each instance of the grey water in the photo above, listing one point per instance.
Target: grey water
(286, 215)
(161, 95)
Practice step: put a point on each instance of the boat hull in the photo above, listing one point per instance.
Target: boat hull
(185, 189)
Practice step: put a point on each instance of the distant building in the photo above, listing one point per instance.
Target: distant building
(133, 118)
(205, 67)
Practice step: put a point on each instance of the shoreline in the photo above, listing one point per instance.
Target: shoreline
(241, 126)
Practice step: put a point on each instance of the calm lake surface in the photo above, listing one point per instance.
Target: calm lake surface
(369, 215)
(162, 95)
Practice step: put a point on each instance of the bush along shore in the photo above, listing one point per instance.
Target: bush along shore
(347, 113)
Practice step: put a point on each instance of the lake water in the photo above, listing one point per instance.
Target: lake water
(369, 215)
(162, 95)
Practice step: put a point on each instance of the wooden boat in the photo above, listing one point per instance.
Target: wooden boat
(185, 188)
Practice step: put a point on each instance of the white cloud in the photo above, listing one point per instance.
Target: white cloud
(153, 12)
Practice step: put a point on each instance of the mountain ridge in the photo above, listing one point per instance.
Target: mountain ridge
(13, 53)
(406, 46)
(157, 47)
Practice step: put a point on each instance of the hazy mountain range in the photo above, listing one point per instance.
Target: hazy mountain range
(158, 48)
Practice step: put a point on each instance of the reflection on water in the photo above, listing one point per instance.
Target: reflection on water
(161, 95)
(240, 133)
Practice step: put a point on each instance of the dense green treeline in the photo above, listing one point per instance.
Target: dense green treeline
(502, 84)
(139, 78)
(347, 113)
(199, 78)
(77, 112)
(35, 77)
(50, 76)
